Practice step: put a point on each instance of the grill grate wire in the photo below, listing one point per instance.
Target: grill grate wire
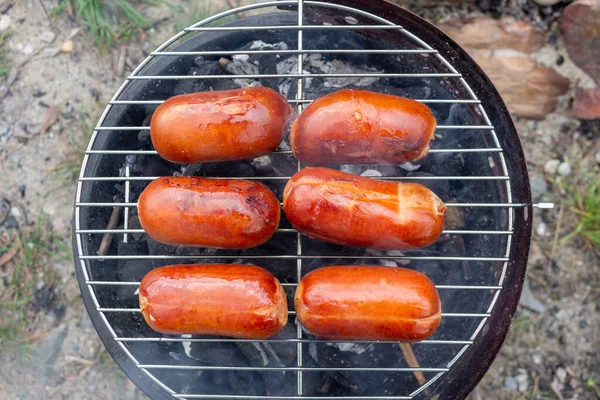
(299, 102)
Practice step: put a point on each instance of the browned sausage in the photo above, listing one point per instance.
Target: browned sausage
(223, 213)
(360, 127)
(241, 301)
(356, 211)
(220, 125)
(368, 303)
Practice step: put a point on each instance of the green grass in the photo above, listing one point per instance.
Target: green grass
(586, 204)
(68, 168)
(109, 21)
(4, 62)
(38, 247)
(590, 383)
(198, 11)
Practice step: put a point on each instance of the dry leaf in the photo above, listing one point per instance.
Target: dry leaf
(50, 118)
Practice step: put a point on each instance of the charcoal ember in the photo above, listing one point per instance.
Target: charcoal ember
(313, 382)
(262, 354)
(359, 355)
(351, 169)
(215, 353)
(144, 139)
(288, 86)
(158, 166)
(185, 86)
(451, 246)
(220, 377)
(241, 64)
(455, 218)
(238, 168)
(285, 351)
(157, 248)
(440, 163)
(134, 270)
(411, 92)
(247, 382)
(410, 166)
(140, 166)
(438, 186)
(209, 67)
(134, 223)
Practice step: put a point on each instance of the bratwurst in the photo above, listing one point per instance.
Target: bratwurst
(352, 210)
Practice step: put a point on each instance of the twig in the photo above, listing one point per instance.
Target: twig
(412, 362)
(10, 254)
(80, 360)
(537, 279)
(556, 235)
(112, 224)
(536, 387)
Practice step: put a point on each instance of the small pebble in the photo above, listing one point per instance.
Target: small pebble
(5, 22)
(597, 157)
(564, 169)
(541, 229)
(561, 375)
(538, 186)
(15, 212)
(551, 166)
(522, 380)
(511, 383)
(67, 47)
(537, 359)
(48, 36)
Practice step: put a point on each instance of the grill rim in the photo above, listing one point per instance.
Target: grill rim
(458, 384)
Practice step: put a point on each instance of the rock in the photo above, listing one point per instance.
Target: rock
(522, 380)
(586, 104)
(529, 301)
(48, 36)
(511, 383)
(551, 166)
(485, 33)
(529, 89)
(581, 32)
(537, 359)
(564, 169)
(27, 49)
(5, 22)
(538, 186)
(597, 157)
(50, 346)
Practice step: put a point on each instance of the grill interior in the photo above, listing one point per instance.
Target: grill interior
(303, 50)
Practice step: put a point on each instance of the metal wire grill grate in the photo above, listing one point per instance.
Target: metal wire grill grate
(114, 307)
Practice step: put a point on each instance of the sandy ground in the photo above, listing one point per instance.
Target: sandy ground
(555, 350)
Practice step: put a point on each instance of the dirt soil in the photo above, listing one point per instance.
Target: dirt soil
(548, 355)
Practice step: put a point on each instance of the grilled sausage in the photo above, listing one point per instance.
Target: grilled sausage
(356, 211)
(368, 303)
(220, 125)
(360, 127)
(241, 301)
(223, 213)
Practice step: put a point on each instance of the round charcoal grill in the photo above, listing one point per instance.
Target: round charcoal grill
(305, 49)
